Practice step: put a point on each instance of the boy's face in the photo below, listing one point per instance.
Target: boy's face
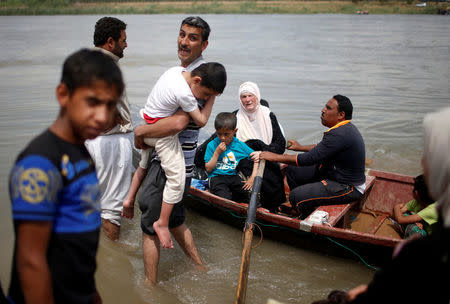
(226, 135)
(202, 92)
(88, 111)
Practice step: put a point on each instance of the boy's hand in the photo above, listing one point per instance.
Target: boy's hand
(221, 148)
(248, 184)
(128, 209)
(255, 156)
(139, 138)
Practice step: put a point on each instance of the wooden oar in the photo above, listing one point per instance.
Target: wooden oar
(248, 235)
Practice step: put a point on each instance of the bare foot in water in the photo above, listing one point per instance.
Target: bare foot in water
(163, 235)
(201, 268)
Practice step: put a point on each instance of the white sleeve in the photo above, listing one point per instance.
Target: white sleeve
(187, 102)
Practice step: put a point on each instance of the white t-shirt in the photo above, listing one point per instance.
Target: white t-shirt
(170, 92)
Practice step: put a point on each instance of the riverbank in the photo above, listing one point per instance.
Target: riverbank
(61, 7)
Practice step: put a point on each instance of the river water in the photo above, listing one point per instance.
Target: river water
(394, 69)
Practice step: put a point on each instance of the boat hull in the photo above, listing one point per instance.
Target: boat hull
(366, 221)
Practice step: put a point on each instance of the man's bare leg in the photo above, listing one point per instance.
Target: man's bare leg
(151, 253)
(183, 236)
(111, 230)
(161, 226)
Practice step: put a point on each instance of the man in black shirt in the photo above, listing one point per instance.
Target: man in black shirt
(331, 172)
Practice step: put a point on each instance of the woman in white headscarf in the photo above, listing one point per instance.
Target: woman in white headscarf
(258, 127)
(419, 270)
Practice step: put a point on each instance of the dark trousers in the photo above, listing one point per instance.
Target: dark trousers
(229, 187)
(150, 199)
(310, 190)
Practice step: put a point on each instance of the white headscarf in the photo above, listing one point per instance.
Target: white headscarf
(256, 124)
(437, 155)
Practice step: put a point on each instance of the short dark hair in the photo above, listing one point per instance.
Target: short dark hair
(344, 105)
(84, 67)
(199, 23)
(108, 27)
(213, 76)
(422, 190)
(225, 120)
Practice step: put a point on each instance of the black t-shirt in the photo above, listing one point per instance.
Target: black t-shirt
(341, 154)
(55, 181)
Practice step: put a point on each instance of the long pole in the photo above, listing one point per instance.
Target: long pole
(248, 236)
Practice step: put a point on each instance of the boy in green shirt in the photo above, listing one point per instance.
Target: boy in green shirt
(418, 214)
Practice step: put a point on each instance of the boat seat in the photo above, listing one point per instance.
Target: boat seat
(336, 212)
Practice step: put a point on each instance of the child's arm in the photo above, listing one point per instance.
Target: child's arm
(211, 164)
(31, 260)
(201, 117)
(248, 185)
(128, 203)
(399, 209)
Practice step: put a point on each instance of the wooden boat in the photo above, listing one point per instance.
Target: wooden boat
(366, 221)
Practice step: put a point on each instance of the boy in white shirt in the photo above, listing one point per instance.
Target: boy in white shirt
(174, 89)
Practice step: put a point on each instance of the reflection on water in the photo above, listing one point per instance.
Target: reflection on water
(394, 69)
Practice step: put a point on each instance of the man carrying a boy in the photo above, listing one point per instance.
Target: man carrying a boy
(176, 88)
(54, 189)
(331, 172)
(155, 177)
(222, 157)
(113, 151)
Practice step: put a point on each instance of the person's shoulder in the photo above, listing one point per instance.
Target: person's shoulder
(175, 70)
(239, 144)
(196, 63)
(38, 164)
(43, 144)
(343, 130)
(412, 205)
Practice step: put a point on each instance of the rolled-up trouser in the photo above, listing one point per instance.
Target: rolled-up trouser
(172, 161)
(112, 155)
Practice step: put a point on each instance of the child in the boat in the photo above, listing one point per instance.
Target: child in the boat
(222, 157)
(419, 215)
